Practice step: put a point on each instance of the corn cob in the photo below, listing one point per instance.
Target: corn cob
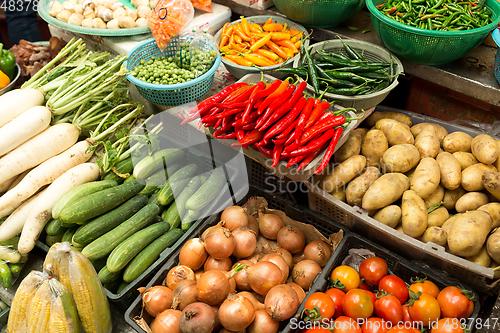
(64, 316)
(38, 313)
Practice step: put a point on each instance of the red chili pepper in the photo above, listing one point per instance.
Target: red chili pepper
(306, 112)
(218, 123)
(264, 92)
(231, 105)
(251, 138)
(286, 133)
(287, 120)
(239, 122)
(262, 143)
(321, 127)
(330, 149)
(271, 98)
(295, 160)
(290, 139)
(316, 113)
(227, 136)
(240, 134)
(265, 151)
(259, 87)
(393, 9)
(229, 112)
(276, 155)
(278, 102)
(314, 144)
(226, 123)
(310, 157)
(258, 104)
(249, 126)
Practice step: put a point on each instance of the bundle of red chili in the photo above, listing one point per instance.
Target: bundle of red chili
(276, 119)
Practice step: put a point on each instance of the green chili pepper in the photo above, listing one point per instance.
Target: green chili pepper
(7, 62)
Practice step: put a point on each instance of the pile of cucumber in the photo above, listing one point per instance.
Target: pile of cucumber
(123, 222)
(10, 261)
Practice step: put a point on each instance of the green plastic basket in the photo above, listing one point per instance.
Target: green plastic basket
(428, 47)
(319, 13)
(169, 94)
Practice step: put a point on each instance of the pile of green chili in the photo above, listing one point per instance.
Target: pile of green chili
(440, 15)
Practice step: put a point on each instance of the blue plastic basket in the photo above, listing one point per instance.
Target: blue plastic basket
(496, 37)
(169, 94)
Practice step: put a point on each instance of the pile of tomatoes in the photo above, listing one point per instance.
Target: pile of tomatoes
(371, 301)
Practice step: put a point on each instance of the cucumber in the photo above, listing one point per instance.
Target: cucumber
(129, 179)
(160, 177)
(173, 214)
(99, 263)
(5, 275)
(122, 286)
(153, 199)
(51, 240)
(126, 251)
(120, 171)
(68, 235)
(9, 254)
(15, 268)
(150, 254)
(53, 227)
(189, 219)
(99, 203)
(104, 223)
(151, 163)
(80, 192)
(103, 245)
(105, 276)
(112, 286)
(176, 184)
(11, 242)
(208, 191)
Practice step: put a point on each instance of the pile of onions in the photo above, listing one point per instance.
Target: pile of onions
(193, 254)
(236, 313)
(157, 299)
(177, 274)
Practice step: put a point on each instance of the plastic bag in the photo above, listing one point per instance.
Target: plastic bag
(204, 5)
(197, 54)
(11, 262)
(168, 18)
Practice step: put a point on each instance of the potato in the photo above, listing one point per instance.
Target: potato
(497, 163)
(390, 215)
(400, 158)
(359, 185)
(471, 176)
(449, 223)
(485, 149)
(339, 193)
(435, 197)
(374, 146)
(410, 173)
(471, 201)
(413, 214)
(493, 208)
(491, 182)
(344, 173)
(481, 258)
(465, 159)
(434, 235)
(451, 172)
(438, 217)
(457, 141)
(385, 190)
(427, 142)
(426, 178)
(395, 132)
(468, 233)
(351, 147)
(441, 132)
(376, 116)
(493, 246)
(451, 196)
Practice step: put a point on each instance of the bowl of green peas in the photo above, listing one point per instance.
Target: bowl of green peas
(179, 74)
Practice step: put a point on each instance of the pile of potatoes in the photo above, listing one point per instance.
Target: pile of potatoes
(432, 185)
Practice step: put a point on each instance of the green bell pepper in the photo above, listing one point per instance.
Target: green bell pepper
(7, 62)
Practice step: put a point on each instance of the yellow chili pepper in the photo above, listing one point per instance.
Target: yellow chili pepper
(288, 44)
(289, 52)
(238, 39)
(238, 60)
(284, 28)
(245, 26)
(238, 30)
(4, 80)
(269, 20)
(280, 36)
(261, 42)
(257, 59)
(225, 36)
(254, 27)
(272, 27)
(269, 55)
(276, 49)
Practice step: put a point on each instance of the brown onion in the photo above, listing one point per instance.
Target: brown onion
(241, 278)
(286, 255)
(253, 224)
(157, 299)
(297, 258)
(167, 321)
(280, 262)
(219, 243)
(245, 242)
(178, 273)
(255, 258)
(232, 285)
(193, 254)
(270, 225)
(221, 265)
(198, 273)
(197, 318)
(214, 286)
(291, 239)
(282, 302)
(184, 294)
(236, 313)
(263, 276)
(205, 233)
(215, 308)
(265, 246)
(234, 217)
(263, 323)
(318, 251)
(298, 289)
(257, 305)
(304, 273)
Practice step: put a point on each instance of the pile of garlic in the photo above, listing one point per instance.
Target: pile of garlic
(102, 14)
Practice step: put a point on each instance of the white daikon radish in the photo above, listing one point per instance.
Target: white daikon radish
(41, 213)
(13, 225)
(15, 102)
(44, 174)
(52, 141)
(18, 179)
(5, 185)
(23, 127)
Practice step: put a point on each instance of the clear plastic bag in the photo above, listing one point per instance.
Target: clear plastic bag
(11, 262)
(197, 54)
(204, 5)
(168, 18)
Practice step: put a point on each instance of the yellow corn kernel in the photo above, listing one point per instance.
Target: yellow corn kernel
(58, 320)
(84, 304)
(38, 314)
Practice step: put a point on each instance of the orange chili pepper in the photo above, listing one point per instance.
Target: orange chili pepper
(269, 55)
(280, 36)
(225, 36)
(295, 32)
(272, 27)
(288, 44)
(258, 34)
(269, 20)
(289, 52)
(239, 47)
(244, 26)
(297, 44)
(238, 30)
(238, 39)
(276, 49)
(257, 59)
(254, 27)
(284, 28)
(238, 60)
(261, 42)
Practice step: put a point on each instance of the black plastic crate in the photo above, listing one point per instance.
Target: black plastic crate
(324, 225)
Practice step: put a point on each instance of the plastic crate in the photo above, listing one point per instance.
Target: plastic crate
(4, 316)
(358, 221)
(496, 37)
(324, 225)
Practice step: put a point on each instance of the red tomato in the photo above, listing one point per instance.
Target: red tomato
(324, 303)
(406, 314)
(372, 296)
(401, 329)
(345, 324)
(453, 303)
(447, 325)
(347, 276)
(425, 310)
(365, 286)
(373, 270)
(470, 309)
(375, 325)
(357, 304)
(425, 287)
(389, 308)
(338, 296)
(317, 330)
(392, 284)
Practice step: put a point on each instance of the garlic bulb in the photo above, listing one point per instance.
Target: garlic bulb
(119, 13)
(55, 9)
(98, 23)
(126, 22)
(63, 15)
(75, 19)
(87, 23)
(113, 24)
(141, 22)
(131, 13)
(143, 11)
